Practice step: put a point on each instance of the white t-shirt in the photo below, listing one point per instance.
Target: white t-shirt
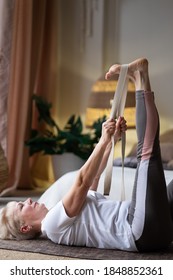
(102, 223)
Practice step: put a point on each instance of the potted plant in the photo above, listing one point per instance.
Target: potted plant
(70, 143)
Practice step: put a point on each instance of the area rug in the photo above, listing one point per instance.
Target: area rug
(44, 246)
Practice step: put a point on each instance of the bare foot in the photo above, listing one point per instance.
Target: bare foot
(137, 72)
(140, 64)
(113, 70)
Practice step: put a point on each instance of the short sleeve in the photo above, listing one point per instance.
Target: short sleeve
(56, 220)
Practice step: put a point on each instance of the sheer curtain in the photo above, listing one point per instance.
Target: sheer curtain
(33, 70)
(6, 19)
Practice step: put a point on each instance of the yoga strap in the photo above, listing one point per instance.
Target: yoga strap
(116, 111)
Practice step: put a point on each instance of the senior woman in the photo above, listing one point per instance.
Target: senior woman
(84, 217)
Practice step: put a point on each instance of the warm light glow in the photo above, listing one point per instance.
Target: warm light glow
(100, 102)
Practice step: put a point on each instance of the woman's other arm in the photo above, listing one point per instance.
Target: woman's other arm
(120, 127)
(75, 198)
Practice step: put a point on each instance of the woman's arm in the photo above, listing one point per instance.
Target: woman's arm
(101, 168)
(75, 198)
(120, 127)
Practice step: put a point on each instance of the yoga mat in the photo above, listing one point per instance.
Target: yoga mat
(44, 246)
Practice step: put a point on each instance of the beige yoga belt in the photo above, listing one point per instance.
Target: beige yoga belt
(116, 111)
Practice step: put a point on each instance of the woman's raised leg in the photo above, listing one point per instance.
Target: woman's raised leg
(149, 213)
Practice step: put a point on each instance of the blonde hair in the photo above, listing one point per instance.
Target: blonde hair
(10, 226)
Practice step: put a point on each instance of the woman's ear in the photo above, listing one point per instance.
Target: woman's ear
(25, 228)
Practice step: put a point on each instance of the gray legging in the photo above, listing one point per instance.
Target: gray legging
(149, 213)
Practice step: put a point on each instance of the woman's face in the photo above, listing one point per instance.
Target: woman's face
(29, 212)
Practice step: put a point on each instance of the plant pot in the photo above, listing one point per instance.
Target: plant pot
(65, 163)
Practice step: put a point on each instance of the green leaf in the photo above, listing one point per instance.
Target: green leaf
(69, 139)
(43, 108)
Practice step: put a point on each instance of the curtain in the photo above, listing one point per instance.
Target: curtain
(33, 70)
(6, 18)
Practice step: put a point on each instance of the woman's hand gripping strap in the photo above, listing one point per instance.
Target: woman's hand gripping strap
(118, 106)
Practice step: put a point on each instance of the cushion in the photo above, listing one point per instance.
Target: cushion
(166, 151)
(3, 170)
(57, 191)
(128, 162)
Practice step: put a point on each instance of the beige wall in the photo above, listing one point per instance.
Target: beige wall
(122, 31)
(78, 66)
(145, 29)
